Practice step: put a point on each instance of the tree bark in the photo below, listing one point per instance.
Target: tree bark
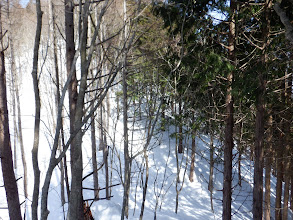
(229, 123)
(127, 162)
(211, 175)
(268, 167)
(37, 113)
(70, 65)
(278, 204)
(145, 183)
(258, 159)
(94, 158)
(5, 146)
(126, 151)
(20, 138)
(75, 208)
(57, 93)
(193, 148)
(260, 118)
(17, 113)
(180, 144)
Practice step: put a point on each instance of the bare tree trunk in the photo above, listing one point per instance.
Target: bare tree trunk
(75, 204)
(17, 124)
(229, 123)
(180, 144)
(70, 68)
(278, 204)
(258, 159)
(287, 183)
(75, 208)
(239, 148)
(5, 146)
(57, 94)
(287, 123)
(260, 118)
(145, 183)
(291, 186)
(268, 167)
(105, 158)
(20, 139)
(211, 176)
(126, 183)
(127, 162)
(289, 139)
(193, 147)
(94, 158)
(37, 113)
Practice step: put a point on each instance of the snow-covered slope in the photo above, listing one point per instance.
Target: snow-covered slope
(194, 197)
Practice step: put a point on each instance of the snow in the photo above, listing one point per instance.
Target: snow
(194, 199)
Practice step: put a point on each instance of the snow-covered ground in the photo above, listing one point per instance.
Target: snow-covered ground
(194, 198)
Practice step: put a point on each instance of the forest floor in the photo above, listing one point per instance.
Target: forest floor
(194, 198)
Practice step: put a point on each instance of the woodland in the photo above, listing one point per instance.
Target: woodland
(91, 90)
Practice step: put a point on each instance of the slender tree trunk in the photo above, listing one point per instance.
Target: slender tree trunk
(239, 147)
(37, 113)
(5, 146)
(145, 184)
(127, 162)
(57, 94)
(105, 158)
(17, 123)
(94, 158)
(14, 124)
(268, 167)
(126, 151)
(287, 123)
(180, 144)
(260, 118)
(229, 123)
(20, 139)
(291, 186)
(258, 161)
(278, 204)
(5, 150)
(289, 139)
(70, 53)
(211, 176)
(193, 148)
(286, 187)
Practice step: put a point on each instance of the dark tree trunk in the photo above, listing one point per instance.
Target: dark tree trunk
(258, 160)
(180, 144)
(193, 147)
(229, 123)
(37, 113)
(75, 207)
(126, 151)
(94, 158)
(72, 88)
(5, 147)
(268, 167)
(145, 184)
(211, 175)
(287, 123)
(70, 53)
(17, 113)
(260, 118)
(278, 204)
